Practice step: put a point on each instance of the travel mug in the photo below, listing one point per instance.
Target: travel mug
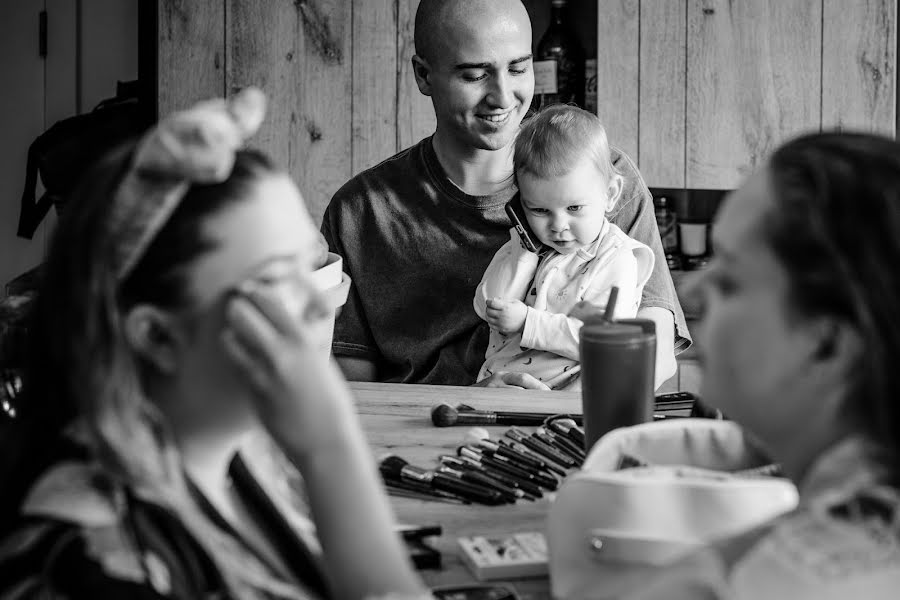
(618, 363)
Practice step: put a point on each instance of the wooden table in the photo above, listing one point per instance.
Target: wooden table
(397, 420)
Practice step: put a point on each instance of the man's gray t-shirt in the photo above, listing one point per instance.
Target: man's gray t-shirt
(416, 246)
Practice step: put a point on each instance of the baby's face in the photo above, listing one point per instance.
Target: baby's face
(567, 212)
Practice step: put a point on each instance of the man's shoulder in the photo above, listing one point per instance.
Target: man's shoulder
(381, 179)
(623, 163)
(634, 189)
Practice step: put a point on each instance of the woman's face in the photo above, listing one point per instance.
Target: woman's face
(269, 238)
(755, 351)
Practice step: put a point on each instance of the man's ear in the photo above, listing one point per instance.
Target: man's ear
(154, 336)
(422, 71)
(613, 191)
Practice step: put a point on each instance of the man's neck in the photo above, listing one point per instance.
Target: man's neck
(475, 171)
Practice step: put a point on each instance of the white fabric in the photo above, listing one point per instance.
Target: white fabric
(609, 529)
(547, 348)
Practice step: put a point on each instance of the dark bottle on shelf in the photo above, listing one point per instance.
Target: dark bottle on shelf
(667, 222)
(558, 62)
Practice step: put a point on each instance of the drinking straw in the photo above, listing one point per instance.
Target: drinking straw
(611, 304)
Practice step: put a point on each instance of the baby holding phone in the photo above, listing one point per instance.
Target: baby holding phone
(567, 185)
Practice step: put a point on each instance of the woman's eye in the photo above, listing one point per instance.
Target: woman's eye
(723, 283)
(268, 280)
(518, 71)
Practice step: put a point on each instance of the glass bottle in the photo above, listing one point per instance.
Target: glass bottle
(558, 62)
(667, 222)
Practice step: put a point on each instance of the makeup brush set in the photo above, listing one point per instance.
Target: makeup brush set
(519, 466)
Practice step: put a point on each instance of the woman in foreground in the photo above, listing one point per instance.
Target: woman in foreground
(175, 318)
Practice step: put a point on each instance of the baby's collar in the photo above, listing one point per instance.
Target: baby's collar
(590, 251)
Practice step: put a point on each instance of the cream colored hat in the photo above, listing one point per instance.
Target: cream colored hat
(197, 145)
(611, 527)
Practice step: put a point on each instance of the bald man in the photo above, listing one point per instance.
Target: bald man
(418, 230)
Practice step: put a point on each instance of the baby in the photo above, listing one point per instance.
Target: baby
(567, 185)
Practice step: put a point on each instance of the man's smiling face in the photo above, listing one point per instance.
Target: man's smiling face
(481, 76)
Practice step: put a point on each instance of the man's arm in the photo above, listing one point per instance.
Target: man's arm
(353, 346)
(665, 342)
(357, 369)
(634, 215)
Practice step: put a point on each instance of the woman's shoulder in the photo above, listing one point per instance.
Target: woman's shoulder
(846, 544)
(76, 538)
(852, 548)
(803, 556)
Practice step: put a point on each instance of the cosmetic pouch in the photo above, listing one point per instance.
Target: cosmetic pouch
(649, 494)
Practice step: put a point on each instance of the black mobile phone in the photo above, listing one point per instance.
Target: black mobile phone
(516, 213)
(475, 592)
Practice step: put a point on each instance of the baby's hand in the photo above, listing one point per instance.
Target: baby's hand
(506, 316)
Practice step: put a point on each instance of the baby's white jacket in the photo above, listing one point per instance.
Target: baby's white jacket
(551, 285)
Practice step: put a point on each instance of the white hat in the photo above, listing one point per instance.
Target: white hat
(610, 527)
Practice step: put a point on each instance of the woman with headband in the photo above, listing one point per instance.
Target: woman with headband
(175, 316)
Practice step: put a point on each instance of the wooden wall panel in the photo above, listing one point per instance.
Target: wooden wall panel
(415, 115)
(299, 53)
(663, 64)
(618, 33)
(374, 82)
(753, 80)
(191, 58)
(859, 76)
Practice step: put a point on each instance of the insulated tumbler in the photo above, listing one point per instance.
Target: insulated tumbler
(618, 362)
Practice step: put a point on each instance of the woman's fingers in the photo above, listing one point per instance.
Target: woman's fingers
(248, 362)
(294, 306)
(276, 303)
(251, 329)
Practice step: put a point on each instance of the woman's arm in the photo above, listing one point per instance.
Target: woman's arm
(306, 406)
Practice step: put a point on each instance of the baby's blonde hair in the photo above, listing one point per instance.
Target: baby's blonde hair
(558, 138)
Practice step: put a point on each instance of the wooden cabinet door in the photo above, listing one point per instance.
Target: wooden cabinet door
(753, 80)
(859, 65)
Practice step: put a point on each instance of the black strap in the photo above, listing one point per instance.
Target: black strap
(31, 213)
(300, 559)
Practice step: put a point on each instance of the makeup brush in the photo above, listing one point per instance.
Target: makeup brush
(444, 415)
(395, 468)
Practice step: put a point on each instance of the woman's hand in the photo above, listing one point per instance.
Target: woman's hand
(274, 340)
(307, 407)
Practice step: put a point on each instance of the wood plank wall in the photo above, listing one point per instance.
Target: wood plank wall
(752, 82)
(337, 72)
(721, 83)
(342, 95)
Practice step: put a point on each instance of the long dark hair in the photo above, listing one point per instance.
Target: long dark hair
(78, 363)
(836, 230)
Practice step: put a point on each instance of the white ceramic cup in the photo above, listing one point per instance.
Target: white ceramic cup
(693, 238)
(335, 284)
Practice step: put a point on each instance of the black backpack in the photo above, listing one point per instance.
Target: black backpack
(62, 153)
